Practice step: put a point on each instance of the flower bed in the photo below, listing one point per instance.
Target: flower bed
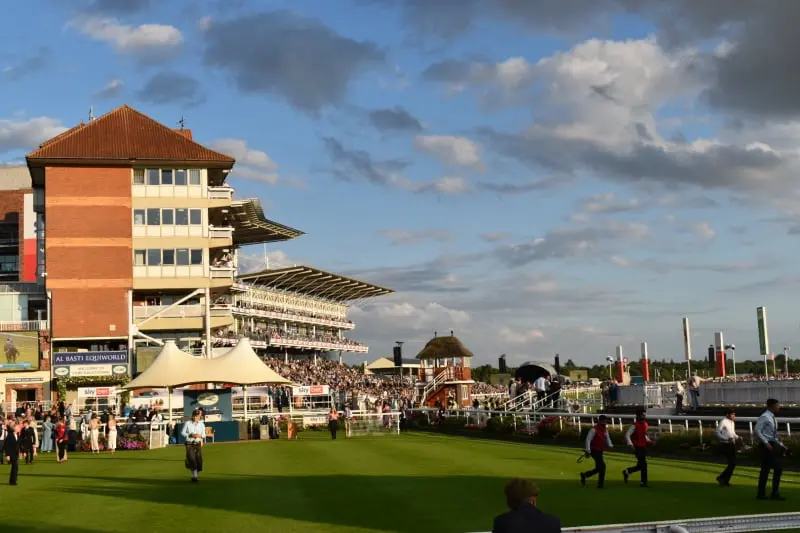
(124, 442)
(552, 430)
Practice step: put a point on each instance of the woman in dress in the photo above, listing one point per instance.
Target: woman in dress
(62, 438)
(111, 443)
(47, 435)
(333, 422)
(194, 433)
(94, 433)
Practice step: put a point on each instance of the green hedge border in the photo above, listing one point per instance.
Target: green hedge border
(677, 445)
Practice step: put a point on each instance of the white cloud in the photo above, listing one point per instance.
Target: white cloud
(396, 236)
(205, 23)
(27, 134)
(253, 261)
(511, 336)
(702, 230)
(112, 89)
(410, 317)
(449, 185)
(152, 40)
(458, 151)
(250, 164)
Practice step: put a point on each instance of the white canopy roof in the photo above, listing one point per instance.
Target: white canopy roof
(242, 366)
(172, 367)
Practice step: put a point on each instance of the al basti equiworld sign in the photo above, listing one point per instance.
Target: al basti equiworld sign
(90, 364)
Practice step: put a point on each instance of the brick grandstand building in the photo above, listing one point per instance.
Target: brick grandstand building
(142, 245)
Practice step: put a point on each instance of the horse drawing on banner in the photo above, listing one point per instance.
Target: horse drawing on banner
(11, 351)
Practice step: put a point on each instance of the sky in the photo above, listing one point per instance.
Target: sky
(539, 177)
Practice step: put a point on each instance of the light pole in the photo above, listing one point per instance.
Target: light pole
(610, 361)
(786, 359)
(732, 348)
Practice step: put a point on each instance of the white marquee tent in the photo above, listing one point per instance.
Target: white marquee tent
(173, 367)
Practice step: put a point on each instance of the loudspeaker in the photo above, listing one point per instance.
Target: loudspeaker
(712, 354)
(558, 365)
(398, 356)
(501, 364)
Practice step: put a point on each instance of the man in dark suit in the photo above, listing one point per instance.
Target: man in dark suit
(11, 449)
(524, 516)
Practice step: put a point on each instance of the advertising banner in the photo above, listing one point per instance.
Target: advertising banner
(763, 336)
(20, 351)
(687, 340)
(311, 390)
(90, 364)
(216, 404)
(96, 392)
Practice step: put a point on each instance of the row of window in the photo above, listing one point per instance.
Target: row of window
(166, 176)
(9, 264)
(168, 257)
(167, 217)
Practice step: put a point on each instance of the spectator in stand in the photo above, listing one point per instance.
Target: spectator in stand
(524, 516)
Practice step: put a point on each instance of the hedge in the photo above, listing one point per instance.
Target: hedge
(563, 432)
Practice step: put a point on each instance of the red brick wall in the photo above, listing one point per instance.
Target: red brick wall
(89, 250)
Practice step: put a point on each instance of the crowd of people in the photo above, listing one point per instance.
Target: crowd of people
(272, 335)
(244, 303)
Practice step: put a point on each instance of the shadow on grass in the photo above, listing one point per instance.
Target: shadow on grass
(419, 503)
(32, 527)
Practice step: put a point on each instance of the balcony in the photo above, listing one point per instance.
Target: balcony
(295, 341)
(25, 325)
(181, 316)
(220, 236)
(220, 196)
(288, 316)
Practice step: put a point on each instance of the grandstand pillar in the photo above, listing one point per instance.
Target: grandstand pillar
(721, 356)
(207, 323)
(620, 365)
(645, 363)
(340, 357)
(131, 327)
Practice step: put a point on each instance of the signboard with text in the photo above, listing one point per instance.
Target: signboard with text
(311, 390)
(90, 364)
(20, 351)
(96, 392)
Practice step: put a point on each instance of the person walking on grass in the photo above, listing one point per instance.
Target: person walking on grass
(11, 449)
(94, 433)
(597, 441)
(726, 433)
(637, 438)
(111, 439)
(62, 439)
(194, 433)
(772, 449)
(333, 422)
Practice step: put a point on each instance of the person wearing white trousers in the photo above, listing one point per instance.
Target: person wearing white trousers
(94, 433)
(112, 434)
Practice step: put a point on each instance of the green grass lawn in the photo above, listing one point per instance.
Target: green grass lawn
(407, 484)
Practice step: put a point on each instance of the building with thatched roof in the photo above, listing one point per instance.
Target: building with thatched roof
(445, 373)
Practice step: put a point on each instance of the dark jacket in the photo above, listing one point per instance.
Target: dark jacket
(11, 447)
(526, 519)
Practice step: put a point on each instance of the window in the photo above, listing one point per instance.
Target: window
(183, 256)
(153, 257)
(195, 216)
(194, 176)
(181, 217)
(168, 257)
(139, 258)
(9, 264)
(138, 176)
(167, 217)
(166, 177)
(138, 217)
(180, 177)
(154, 217)
(153, 176)
(197, 257)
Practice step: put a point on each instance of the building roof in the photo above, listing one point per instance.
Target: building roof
(125, 134)
(252, 227)
(316, 283)
(444, 348)
(383, 363)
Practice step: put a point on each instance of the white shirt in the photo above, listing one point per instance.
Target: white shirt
(767, 428)
(726, 431)
(540, 384)
(678, 387)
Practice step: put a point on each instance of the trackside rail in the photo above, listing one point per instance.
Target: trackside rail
(726, 524)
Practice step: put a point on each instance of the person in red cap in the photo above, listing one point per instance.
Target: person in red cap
(597, 440)
(637, 438)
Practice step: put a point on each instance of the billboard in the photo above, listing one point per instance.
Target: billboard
(311, 390)
(216, 404)
(90, 364)
(20, 351)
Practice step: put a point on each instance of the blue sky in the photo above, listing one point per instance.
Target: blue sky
(539, 177)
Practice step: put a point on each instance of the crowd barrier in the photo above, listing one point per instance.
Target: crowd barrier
(727, 524)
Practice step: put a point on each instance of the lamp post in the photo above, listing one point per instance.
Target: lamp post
(732, 348)
(610, 361)
(786, 360)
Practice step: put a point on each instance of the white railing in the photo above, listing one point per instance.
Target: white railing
(216, 232)
(290, 301)
(220, 193)
(291, 317)
(179, 311)
(519, 401)
(296, 343)
(728, 524)
(25, 325)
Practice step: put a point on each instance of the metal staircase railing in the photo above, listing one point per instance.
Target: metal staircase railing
(436, 383)
(527, 401)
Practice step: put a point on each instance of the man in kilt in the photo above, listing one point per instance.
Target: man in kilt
(194, 432)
